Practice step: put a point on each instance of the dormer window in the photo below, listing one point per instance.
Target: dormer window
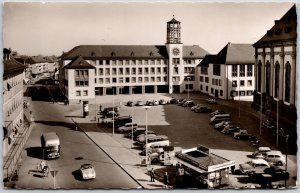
(191, 53)
(278, 31)
(132, 54)
(151, 54)
(113, 54)
(93, 54)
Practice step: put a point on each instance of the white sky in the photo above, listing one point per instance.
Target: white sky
(50, 28)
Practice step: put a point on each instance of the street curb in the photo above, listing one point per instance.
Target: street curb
(111, 157)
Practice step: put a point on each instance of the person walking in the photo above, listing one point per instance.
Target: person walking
(152, 175)
(166, 180)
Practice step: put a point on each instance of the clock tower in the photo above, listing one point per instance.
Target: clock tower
(174, 49)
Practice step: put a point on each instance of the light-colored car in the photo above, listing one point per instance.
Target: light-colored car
(155, 102)
(242, 134)
(139, 103)
(274, 157)
(256, 166)
(162, 102)
(217, 112)
(127, 127)
(260, 152)
(141, 139)
(195, 106)
(188, 104)
(87, 172)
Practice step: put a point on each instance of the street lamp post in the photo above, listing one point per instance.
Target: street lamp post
(277, 127)
(286, 156)
(132, 120)
(188, 79)
(146, 108)
(113, 111)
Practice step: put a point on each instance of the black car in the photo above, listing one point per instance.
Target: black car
(121, 121)
(136, 132)
(129, 103)
(230, 129)
(203, 109)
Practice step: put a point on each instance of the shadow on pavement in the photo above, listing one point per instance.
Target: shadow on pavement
(35, 152)
(57, 123)
(77, 175)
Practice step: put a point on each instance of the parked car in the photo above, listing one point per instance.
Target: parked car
(127, 127)
(195, 106)
(142, 137)
(153, 149)
(278, 170)
(268, 124)
(129, 103)
(181, 102)
(149, 103)
(242, 134)
(260, 152)
(211, 100)
(110, 114)
(274, 157)
(136, 132)
(107, 109)
(220, 126)
(188, 104)
(162, 102)
(155, 102)
(230, 129)
(173, 101)
(203, 109)
(139, 103)
(256, 166)
(87, 172)
(217, 112)
(121, 121)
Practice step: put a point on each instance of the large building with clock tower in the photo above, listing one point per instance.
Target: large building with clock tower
(87, 71)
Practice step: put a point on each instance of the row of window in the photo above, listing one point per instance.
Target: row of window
(242, 83)
(217, 82)
(233, 93)
(131, 80)
(82, 73)
(242, 70)
(130, 62)
(134, 71)
(83, 93)
(206, 79)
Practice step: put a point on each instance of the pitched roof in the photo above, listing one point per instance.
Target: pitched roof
(231, 54)
(12, 67)
(284, 29)
(79, 63)
(239, 53)
(207, 60)
(173, 20)
(130, 51)
(194, 51)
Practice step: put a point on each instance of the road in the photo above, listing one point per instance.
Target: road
(76, 149)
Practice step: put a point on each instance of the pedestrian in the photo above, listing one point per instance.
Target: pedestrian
(100, 108)
(152, 175)
(166, 180)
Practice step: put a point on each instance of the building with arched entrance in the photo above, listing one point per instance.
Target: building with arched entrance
(127, 69)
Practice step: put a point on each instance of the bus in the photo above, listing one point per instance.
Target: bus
(51, 145)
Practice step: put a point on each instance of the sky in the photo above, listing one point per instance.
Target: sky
(51, 28)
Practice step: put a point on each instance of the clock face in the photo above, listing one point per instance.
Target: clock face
(176, 51)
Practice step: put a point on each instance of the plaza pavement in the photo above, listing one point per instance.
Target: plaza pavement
(119, 148)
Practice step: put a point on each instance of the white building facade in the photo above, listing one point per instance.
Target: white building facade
(127, 69)
(229, 74)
